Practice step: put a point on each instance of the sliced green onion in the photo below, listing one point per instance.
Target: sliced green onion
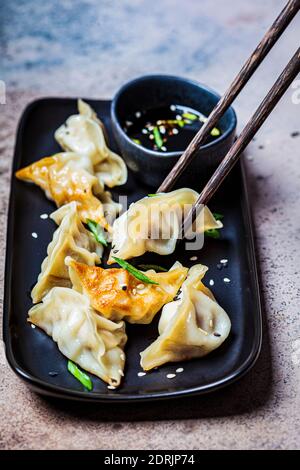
(97, 231)
(137, 141)
(190, 116)
(180, 123)
(152, 195)
(212, 233)
(157, 137)
(218, 216)
(82, 377)
(215, 132)
(135, 272)
(146, 267)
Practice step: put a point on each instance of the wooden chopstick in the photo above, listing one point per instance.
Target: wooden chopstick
(262, 112)
(267, 42)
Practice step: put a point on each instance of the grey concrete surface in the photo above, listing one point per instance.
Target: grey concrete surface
(89, 48)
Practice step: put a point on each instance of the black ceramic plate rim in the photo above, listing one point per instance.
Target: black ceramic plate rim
(154, 153)
(61, 392)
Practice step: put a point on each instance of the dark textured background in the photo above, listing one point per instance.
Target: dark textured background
(89, 48)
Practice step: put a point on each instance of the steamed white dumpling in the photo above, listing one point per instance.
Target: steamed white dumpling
(71, 238)
(153, 224)
(191, 326)
(94, 343)
(83, 133)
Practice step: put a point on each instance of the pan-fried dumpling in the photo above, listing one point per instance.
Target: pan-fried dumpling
(82, 335)
(67, 177)
(153, 223)
(70, 239)
(83, 133)
(118, 295)
(191, 326)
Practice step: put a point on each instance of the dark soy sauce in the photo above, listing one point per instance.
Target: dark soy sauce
(168, 128)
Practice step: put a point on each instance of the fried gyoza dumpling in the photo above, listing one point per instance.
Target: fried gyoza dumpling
(191, 326)
(82, 335)
(118, 295)
(153, 223)
(70, 239)
(83, 133)
(67, 177)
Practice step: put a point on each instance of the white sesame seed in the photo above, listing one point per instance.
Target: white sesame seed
(44, 216)
(163, 148)
(180, 369)
(128, 123)
(141, 374)
(151, 136)
(224, 261)
(121, 373)
(144, 131)
(133, 291)
(171, 376)
(172, 107)
(140, 286)
(178, 117)
(138, 114)
(111, 387)
(211, 282)
(226, 279)
(175, 131)
(32, 326)
(162, 129)
(34, 235)
(194, 258)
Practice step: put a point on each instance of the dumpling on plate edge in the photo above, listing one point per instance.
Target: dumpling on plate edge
(94, 343)
(153, 223)
(118, 295)
(83, 133)
(71, 238)
(191, 326)
(67, 177)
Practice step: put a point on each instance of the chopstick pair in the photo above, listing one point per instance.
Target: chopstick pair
(254, 123)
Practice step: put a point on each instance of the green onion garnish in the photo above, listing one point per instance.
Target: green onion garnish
(97, 231)
(215, 132)
(83, 378)
(190, 116)
(145, 267)
(157, 137)
(132, 270)
(152, 194)
(212, 233)
(137, 141)
(218, 216)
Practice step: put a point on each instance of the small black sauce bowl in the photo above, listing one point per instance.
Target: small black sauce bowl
(152, 91)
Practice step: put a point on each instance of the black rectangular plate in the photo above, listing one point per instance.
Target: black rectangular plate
(32, 354)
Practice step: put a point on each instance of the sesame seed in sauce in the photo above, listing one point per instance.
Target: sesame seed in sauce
(138, 114)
